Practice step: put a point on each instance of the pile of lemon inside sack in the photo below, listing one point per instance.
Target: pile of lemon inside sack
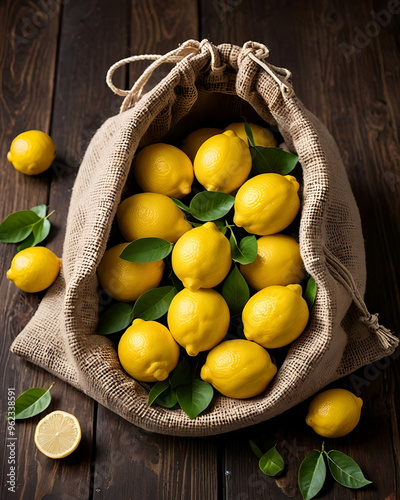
(198, 318)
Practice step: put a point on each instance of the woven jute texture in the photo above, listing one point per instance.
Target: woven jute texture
(341, 336)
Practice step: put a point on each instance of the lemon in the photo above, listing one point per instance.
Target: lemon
(223, 162)
(165, 169)
(278, 262)
(126, 281)
(238, 369)
(192, 143)
(201, 258)
(275, 316)
(198, 320)
(32, 152)
(267, 203)
(262, 136)
(334, 413)
(147, 351)
(151, 215)
(58, 434)
(34, 269)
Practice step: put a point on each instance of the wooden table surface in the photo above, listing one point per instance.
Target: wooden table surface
(345, 61)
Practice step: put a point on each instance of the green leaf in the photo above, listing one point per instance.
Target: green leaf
(154, 303)
(32, 402)
(181, 205)
(235, 291)
(145, 250)
(195, 397)
(116, 318)
(267, 160)
(40, 231)
(181, 374)
(40, 210)
(312, 474)
(271, 462)
(167, 398)
(157, 390)
(246, 251)
(176, 281)
(345, 470)
(209, 205)
(310, 292)
(255, 449)
(249, 133)
(17, 226)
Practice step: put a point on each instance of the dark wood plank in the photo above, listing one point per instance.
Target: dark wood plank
(132, 463)
(27, 65)
(359, 107)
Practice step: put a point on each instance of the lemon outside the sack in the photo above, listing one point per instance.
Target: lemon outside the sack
(32, 152)
(126, 281)
(146, 215)
(201, 258)
(58, 434)
(147, 351)
(278, 262)
(34, 269)
(192, 143)
(223, 162)
(262, 136)
(334, 413)
(267, 203)
(275, 316)
(198, 320)
(238, 369)
(165, 169)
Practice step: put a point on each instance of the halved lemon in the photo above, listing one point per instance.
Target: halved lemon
(58, 434)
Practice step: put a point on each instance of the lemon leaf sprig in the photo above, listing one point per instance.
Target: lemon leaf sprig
(207, 206)
(310, 292)
(183, 387)
(269, 160)
(27, 227)
(271, 463)
(151, 305)
(235, 291)
(30, 403)
(145, 250)
(344, 469)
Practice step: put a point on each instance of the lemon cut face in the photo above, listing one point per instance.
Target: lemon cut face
(58, 434)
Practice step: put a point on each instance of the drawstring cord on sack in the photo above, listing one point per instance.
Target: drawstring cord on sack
(192, 47)
(344, 277)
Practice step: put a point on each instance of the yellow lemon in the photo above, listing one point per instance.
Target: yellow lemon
(147, 215)
(165, 169)
(223, 162)
(278, 262)
(267, 203)
(201, 258)
(275, 316)
(147, 351)
(262, 136)
(238, 369)
(34, 269)
(58, 434)
(192, 143)
(198, 320)
(334, 413)
(32, 152)
(126, 281)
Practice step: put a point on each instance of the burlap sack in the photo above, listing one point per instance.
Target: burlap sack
(341, 336)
